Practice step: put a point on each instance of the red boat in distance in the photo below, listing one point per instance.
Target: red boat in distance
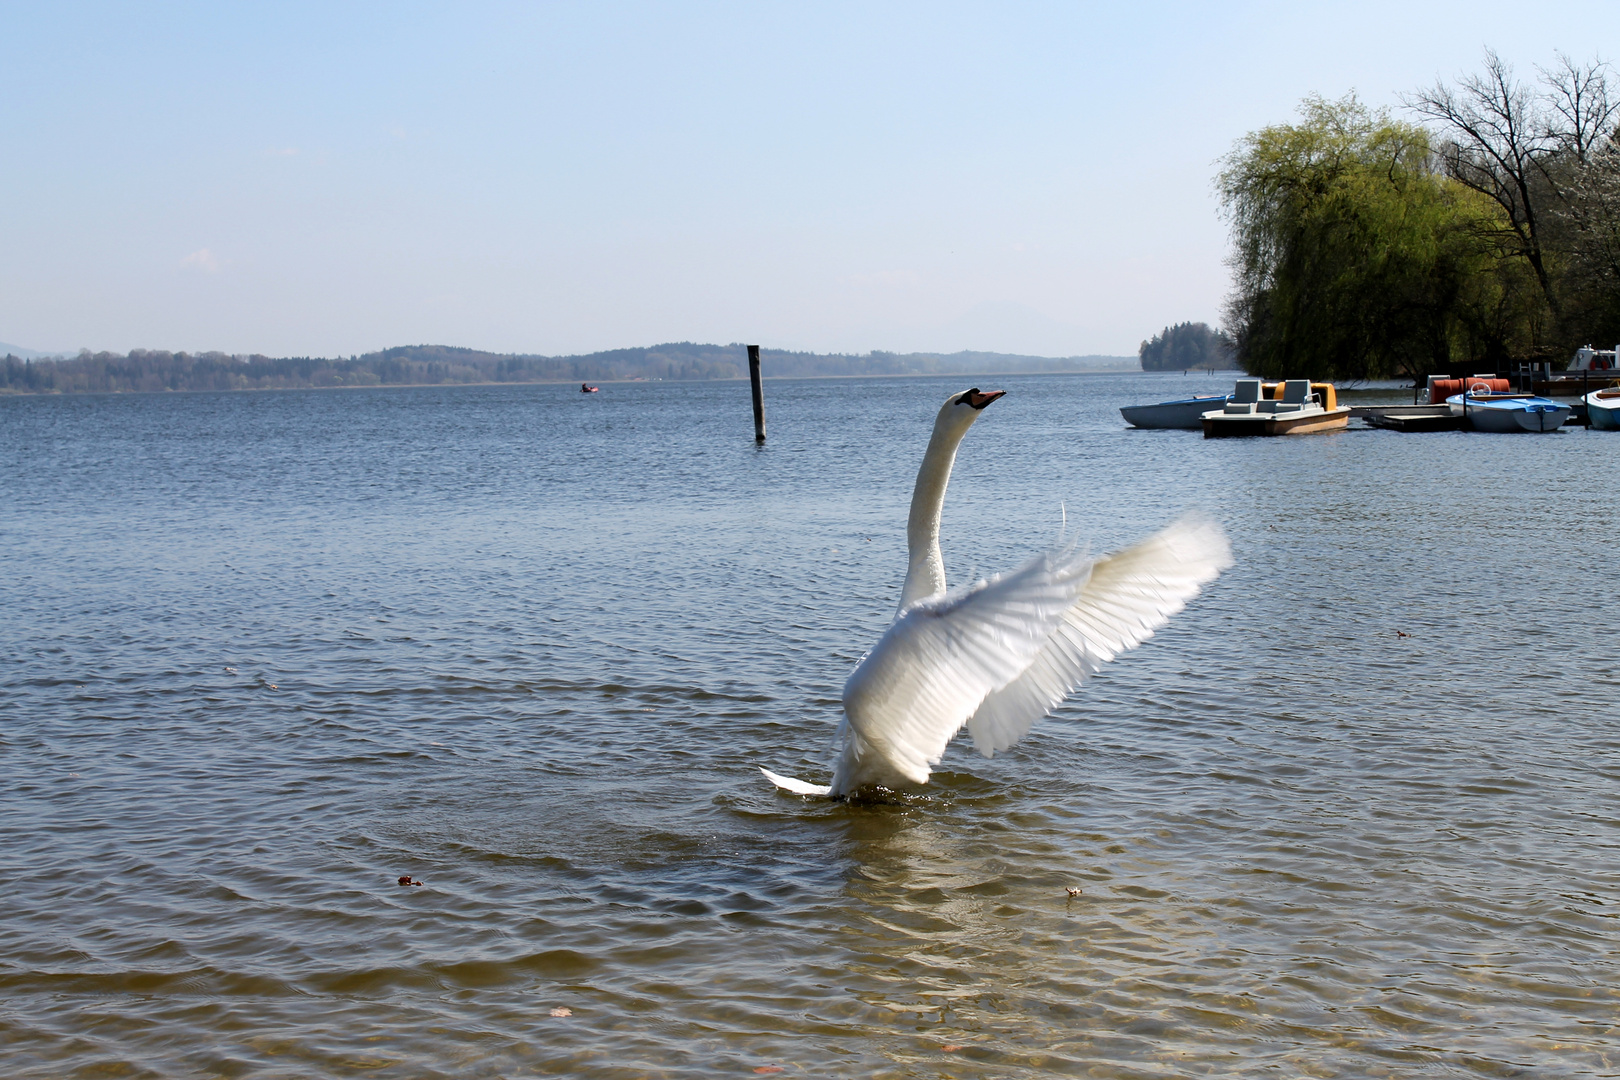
(587, 388)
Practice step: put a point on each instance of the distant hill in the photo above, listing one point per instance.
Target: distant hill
(156, 370)
(685, 360)
(25, 354)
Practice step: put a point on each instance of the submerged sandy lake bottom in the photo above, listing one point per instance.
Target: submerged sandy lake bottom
(266, 653)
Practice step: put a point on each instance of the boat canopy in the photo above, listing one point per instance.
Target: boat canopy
(1590, 359)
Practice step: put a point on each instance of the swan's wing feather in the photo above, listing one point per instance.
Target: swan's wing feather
(939, 659)
(1128, 596)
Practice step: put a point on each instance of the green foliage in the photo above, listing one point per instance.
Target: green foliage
(1354, 257)
(1186, 345)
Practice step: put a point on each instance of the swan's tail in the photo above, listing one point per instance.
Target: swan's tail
(797, 787)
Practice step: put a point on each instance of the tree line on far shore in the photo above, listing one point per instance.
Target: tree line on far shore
(1370, 247)
(1186, 345)
(150, 370)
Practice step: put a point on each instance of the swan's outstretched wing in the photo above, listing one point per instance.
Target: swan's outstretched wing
(1130, 594)
(939, 660)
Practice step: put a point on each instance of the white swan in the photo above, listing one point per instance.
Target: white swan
(1000, 654)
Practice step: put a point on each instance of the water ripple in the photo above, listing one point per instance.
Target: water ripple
(1351, 815)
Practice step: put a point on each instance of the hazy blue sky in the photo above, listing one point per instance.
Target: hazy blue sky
(334, 178)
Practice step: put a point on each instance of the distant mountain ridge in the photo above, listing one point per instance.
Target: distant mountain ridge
(684, 360)
(157, 370)
(27, 354)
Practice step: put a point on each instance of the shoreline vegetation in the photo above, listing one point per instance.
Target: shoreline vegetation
(156, 371)
(1185, 346)
(1483, 236)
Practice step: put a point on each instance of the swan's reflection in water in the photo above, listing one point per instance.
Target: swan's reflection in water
(952, 924)
(961, 927)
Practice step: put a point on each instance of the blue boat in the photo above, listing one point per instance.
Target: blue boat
(1184, 413)
(1504, 413)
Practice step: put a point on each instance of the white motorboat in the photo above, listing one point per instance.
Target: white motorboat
(1603, 409)
(1183, 413)
(1507, 413)
(1303, 408)
(1590, 359)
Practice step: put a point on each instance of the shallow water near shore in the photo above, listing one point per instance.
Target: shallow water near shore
(1353, 813)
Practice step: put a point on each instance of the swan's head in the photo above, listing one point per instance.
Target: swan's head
(960, 410)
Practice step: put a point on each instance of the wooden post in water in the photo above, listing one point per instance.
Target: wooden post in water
(759, 393)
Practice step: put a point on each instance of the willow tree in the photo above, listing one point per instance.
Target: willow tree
(1354, 256)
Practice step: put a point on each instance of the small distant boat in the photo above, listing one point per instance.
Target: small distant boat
(1184, 413)
(1304, 408)
(587, 388)
(1508, 413)
(1603, 409)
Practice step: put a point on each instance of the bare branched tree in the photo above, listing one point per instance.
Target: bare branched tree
(1579, 95)
(1501, 140)
(1586, 180)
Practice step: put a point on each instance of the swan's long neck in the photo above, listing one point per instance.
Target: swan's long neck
(925, 573)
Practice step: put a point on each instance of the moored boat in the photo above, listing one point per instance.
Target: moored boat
(1603, 409)
(1183, 413)
(1303, 408)
(1590, 359)
(1508, 413)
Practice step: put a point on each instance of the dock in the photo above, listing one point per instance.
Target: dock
(1571, 383)
(1409, 417)
(1433, 417)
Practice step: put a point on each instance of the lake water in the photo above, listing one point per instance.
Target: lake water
(1354, 813)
